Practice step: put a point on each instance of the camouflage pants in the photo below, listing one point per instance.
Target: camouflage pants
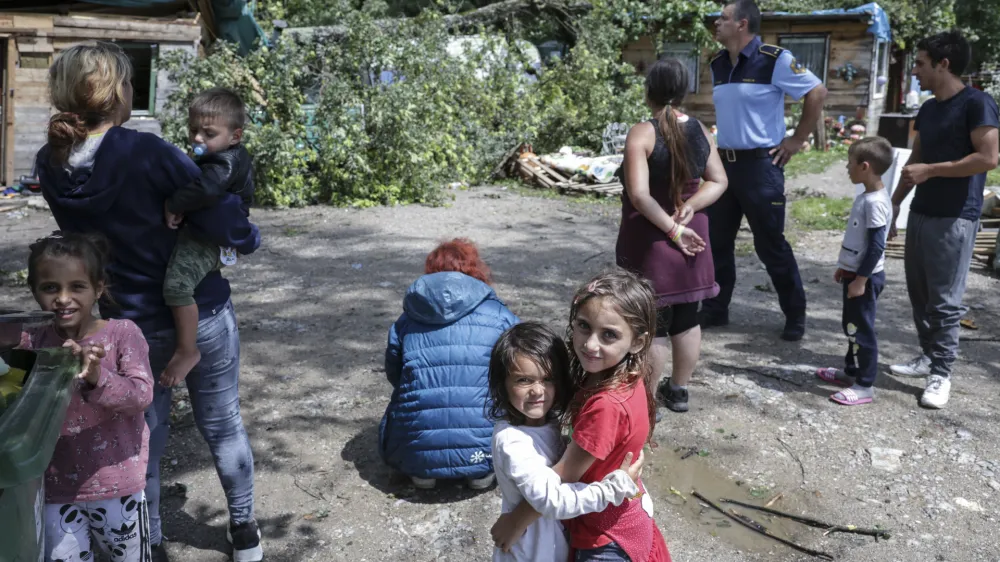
(191, 261)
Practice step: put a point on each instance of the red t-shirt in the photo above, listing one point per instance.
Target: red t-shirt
(609, 425)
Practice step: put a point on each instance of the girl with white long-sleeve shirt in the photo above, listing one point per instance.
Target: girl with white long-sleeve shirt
(529, 388)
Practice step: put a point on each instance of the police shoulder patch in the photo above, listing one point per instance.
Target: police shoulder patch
(771, 50)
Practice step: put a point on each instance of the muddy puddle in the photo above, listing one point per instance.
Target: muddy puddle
(671, 480)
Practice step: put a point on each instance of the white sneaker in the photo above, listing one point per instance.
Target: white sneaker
(918, 367)
(423, 483)
(481, 483)
(936, 393)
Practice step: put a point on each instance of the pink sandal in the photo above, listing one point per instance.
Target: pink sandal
(830, 375)
(848, 397)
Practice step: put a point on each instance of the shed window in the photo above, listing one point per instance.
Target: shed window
(881, 67)
(687, 54)
(812, 51)
(143, 57)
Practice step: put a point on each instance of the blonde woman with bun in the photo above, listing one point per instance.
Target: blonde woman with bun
(98, 176)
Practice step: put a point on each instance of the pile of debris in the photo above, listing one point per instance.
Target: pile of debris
(565, 171)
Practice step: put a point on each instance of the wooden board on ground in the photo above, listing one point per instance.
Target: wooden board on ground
(983, 252)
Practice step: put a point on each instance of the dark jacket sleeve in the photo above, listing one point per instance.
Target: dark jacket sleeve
(217, 173)
(873, 253)
(226, 224)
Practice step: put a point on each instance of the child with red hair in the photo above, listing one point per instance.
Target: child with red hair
(437, 360)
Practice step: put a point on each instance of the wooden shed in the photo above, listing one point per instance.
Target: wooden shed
(28, 42)
(32, 32)
(849, 50)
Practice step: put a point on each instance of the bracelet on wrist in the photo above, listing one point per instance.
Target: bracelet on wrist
(676, 235)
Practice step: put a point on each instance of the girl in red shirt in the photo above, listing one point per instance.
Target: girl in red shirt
(611, 326)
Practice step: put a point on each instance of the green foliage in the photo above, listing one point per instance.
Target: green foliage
(326, 129)
(275, 136)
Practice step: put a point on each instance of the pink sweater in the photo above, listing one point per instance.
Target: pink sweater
(103, 447)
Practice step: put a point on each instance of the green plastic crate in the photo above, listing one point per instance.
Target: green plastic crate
(29, 429)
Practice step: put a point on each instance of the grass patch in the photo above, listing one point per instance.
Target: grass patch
(744, 248)
(814, 161)
(821, 213)
(993, 177)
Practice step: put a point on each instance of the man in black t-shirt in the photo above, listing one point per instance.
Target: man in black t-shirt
(955, 145)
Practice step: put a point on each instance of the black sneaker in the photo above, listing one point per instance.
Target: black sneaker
(674, 399)
(795, 328)
(245, 539)
(708, 319)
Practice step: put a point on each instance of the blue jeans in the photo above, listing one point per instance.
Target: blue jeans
(610, 552)
(214, 391)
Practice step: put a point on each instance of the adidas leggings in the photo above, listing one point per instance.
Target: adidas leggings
(119, 527)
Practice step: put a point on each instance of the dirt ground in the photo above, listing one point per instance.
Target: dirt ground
(315, 304)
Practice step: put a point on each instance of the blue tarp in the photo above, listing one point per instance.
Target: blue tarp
(880, 20)
(879, 26)
(234, 19)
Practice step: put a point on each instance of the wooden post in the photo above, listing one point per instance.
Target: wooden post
(10, 65)
(819, 137)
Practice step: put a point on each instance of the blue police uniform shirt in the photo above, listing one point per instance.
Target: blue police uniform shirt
(750, 97)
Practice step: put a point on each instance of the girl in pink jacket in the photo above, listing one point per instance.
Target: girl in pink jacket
(94, 483)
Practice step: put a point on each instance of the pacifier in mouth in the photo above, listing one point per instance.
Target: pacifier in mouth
(200, 149)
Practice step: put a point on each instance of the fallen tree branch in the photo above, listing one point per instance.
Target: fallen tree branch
(486, 16)
(758, 528)
(828, 527)
(802, 468)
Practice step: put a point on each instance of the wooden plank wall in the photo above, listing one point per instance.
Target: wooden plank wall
(32, 107)
(849, 41)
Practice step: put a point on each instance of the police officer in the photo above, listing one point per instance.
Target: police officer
(749, 83)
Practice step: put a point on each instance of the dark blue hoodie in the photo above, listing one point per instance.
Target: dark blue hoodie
(122, 196)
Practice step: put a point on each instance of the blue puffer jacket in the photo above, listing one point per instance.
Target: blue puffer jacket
(437, 361)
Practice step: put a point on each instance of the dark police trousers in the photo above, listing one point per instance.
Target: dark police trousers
(858, 322)
(757, 190)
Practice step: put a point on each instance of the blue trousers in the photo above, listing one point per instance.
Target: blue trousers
(858, 321)
(213, 387)
(757, 190)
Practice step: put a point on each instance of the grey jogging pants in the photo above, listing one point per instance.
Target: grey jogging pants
(937, 258)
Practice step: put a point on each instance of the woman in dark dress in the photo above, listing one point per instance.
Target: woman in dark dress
(672, 172)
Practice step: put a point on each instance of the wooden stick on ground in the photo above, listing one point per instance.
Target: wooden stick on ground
(829, 527)
(758, 528)
(760, 372)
